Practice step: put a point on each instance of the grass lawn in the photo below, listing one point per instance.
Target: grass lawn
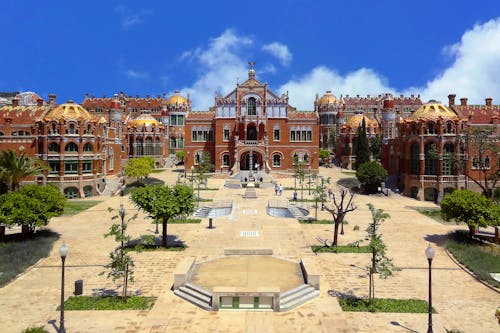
(17, 254)
(482, 259)
(108, 303)
(340, 249)
(353, 304)
(153, 243)
(433, 213)
(350, 182)
(184, 221)
(313, 221)
(75, 207)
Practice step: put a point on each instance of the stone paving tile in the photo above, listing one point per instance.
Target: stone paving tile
(461, 301)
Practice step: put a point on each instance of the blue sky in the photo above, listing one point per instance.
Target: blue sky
(352, 47)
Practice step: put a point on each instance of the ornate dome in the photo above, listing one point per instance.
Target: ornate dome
(328, 98)
(144, 120)
(67, 111)
(176, 98)
(432, 111)
(356, 121)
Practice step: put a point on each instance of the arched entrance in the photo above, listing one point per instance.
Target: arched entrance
(245, 160)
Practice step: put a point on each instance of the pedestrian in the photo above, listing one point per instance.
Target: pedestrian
(276, 189)
(295, 196)
(281, 189)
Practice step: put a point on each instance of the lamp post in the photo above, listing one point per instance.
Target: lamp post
(192, 177)
(121, 213)
(63, 251)
(429, 253)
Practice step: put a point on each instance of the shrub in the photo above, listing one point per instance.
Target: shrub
(371, 175)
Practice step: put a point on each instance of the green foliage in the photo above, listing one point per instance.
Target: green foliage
(362, 146)
(353, 304)
(376, 147)
(471, 208)
(108, 303)
(18, 253)
(433, 213)
(14, 168)
(350, 183)
(480, 258)
(32, 206)
(356, 228)
(185, 221)
(39, 329)
(371, 175)
(164, 203)
(139, 167)
(324, 155)
(180, 155)
(313, 221)
(121, 265)
(340, 249)
(75, 207)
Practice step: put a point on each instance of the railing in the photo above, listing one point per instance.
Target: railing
(222, 204)
(251, 142)
(72, 178)
(278, 204)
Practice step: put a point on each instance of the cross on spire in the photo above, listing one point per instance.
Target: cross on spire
(251, 71)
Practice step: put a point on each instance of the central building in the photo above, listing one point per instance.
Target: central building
(252, 127)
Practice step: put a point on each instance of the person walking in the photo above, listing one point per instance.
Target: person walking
(276, 189)
(281, 189)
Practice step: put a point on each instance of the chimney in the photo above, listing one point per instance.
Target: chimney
(15, 102)
(121, 95)
(451, 99)
(39, 102)
(86, 95)
(463, 101)
(52, 99)
(488, 101)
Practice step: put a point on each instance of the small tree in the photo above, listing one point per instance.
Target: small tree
(121, 265)
(139, 167)
(371, 175)
(319, 193)
(362, 146)
(380, 263)
(164, 203)
(180, 155)
(14, 168)
(324, 156)
(471, 208)
(31, 207)
(376, 147)
(341, 207)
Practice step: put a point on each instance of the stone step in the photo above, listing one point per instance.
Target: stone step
(299, 301)
(199, 290)
(194, 293)
(293, 291)
(297, 295)
(192, 299)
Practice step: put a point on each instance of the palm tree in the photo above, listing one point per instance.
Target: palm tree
(14, 168)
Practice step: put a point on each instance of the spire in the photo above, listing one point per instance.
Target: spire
(251, 71)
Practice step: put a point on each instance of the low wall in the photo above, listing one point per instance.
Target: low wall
(255, 292)
(311, 277)
(183, 272)
(237, 252)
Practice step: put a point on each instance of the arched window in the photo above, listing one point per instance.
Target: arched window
(251, 107)
(72, 129)
(448, 156)
(449, 128)
(414, 159)
(139, 151)
(225, 160)
(71, 147)
(306, 158)
(53, 129)
(276, 160)
(87, 147)
(251, 132)
(88, 130)
(53, 147)
(431, 159)
(1, 134)
(173, 142)
(157, 146)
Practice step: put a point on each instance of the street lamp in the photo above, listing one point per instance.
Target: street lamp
(429, 253)
(63, 251)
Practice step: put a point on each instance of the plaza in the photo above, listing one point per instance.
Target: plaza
(460, 300)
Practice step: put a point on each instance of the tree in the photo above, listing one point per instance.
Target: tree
(371, 175)
(341, 207)
(471, 208)
(14, 168)
(380, 263)
(319, 193)
(324, 155)
(31, 207)
(299, 174)
(362, 146)
(376, 147)
(121, 264)
(139, 167)
(164, 203)
(180, 155)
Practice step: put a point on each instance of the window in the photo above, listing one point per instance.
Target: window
(414, 159)
(173, 142)
(87, 147)
(276, 134)
(87, 167)
(98, 110)
(197, 158)
(72, 129)
(301, 136)
(177, 120)
(53, 147)
(21, 133)
(54, 167)
(139, 147)
(71, 147)
(276, 160)
(306, 158)
(226, 134)
(251, 110)
(225, 160)
(448, 159)
(431, 160)
(70, 167)
(202, 135)
(481, 163)
(157, 146)
(149, 146)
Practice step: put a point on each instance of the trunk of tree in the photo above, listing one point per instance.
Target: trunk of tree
(335, 233)
(164, 234)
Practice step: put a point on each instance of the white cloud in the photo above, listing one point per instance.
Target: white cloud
(219, 64)
(302, 91)
(280, 51)
(131, 18)
(475, 70)
(133, 74)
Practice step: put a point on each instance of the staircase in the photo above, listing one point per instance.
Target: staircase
(112, 186)
(203, 211)
(250, 193)
(195, 295)
(296, 213)
(297, 296)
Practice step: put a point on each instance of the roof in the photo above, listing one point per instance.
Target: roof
(433, 111)
(68, 111)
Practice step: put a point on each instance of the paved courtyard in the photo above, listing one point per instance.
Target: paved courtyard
(461, 301)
